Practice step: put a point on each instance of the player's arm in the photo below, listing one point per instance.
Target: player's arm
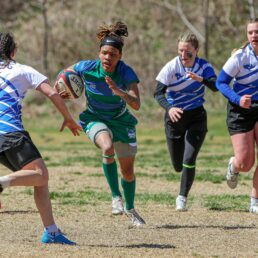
(159, 95)
(132, 97)
(52, 94)
(209, 82)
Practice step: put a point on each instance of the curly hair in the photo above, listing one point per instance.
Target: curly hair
(119, 29)
(7, 46)
(115, 31)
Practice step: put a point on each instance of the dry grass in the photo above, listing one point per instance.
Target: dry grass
(196, 233)
(200, 232)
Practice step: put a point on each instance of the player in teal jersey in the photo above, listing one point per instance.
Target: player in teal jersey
(110, 85)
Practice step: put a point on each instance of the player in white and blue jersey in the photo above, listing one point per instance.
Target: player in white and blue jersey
(242, 109)
(17, 151)
(180, 91)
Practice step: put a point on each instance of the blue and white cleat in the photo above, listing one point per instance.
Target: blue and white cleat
(55, 239)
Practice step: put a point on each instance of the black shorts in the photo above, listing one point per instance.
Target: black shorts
(20, 152)
(194, 120)
(241, 120)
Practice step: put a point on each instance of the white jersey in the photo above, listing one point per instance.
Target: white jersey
(182, 91)
(243, 67)
(15, 80)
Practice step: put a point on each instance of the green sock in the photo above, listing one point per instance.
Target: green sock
(129, 192)
(110, 172)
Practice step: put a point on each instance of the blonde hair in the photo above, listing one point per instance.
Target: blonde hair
(189, 37)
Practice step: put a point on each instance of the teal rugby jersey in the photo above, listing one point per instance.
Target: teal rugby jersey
(100, 99)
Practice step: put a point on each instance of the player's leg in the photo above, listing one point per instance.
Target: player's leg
(33, 172)
(254, 193)
(101, 135)
(241, 124)
(243, 159)
(193, 142)
(175, 137)
(15, 158)
(126, 155)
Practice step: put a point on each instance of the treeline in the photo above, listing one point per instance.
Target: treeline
(52, 34)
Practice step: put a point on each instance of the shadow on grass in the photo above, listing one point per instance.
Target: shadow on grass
(143, 245)
(17, 212)
(168, 226)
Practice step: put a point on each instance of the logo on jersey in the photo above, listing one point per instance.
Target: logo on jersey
(178, 76)
(92, 86)
(131, 133)
(249, 66)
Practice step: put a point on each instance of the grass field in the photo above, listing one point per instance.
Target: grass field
(217, 224)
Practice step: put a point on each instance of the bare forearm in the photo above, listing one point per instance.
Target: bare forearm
(59, 103)
(133, 101)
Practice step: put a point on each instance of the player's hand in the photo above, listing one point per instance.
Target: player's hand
(64, 94)
(246, 101)
(72, 125)
(195, 76)
(112, 85)
(175, 113)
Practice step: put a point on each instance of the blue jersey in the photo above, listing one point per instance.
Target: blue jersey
(100, 99)
(15, 80)
(182, 91)
(243, 67)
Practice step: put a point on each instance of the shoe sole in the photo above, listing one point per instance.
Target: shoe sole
(231, 186)
(117, 213)
(181, 210)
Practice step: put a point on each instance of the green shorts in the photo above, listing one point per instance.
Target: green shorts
(122, 131)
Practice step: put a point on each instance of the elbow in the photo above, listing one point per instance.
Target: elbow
(217, 85)
(53, 94)
(214, 89)
(137, 106)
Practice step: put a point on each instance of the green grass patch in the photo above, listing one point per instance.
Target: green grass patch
(226, 202)
(80, 197)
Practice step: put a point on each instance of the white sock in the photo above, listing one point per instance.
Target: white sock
(52, 230)
(254, 201)
(233, 170)
(5, 181)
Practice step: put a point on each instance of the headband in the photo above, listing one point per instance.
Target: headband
(112, 41)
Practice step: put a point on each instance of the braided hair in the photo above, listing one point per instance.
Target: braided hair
(7, 46)
(112, 35)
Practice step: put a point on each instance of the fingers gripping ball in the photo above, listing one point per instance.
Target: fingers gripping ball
(69, 84)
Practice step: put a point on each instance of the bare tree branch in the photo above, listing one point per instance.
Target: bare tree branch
(251, 9)
(46, 28)
(183, 17)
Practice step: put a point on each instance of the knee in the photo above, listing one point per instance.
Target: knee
(128, 175)
(177, 167)
(43, 176)
(108, 153)
(244, 165)
(108, 148)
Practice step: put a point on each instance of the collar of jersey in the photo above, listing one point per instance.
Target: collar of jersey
(106, 73)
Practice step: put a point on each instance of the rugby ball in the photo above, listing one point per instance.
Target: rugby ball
(69, 84)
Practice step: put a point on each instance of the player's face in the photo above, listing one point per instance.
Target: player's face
(252, 35)
(109, 57)
(187, 53)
